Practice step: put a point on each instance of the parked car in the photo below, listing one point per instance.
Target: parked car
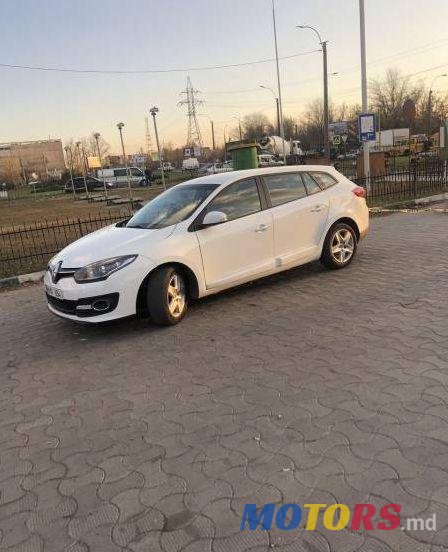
(217, 168)
(205, 235)
(78, 183)
(269, 160)
(119, 176)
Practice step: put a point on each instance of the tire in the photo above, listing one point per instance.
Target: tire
(167, 296)
(339, 246)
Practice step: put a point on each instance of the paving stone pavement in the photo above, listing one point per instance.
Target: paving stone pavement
(309, 387)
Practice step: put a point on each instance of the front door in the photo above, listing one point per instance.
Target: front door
(241, 248)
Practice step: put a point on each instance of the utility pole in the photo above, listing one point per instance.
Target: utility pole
(154, 110)
(282, 130)
(362, 28)
(120, 130)
(213, 135)
(192, 102)
(97, 137)
(225, 143)
(82, 162)
(325, 130)
(326, 114)
(68, 151)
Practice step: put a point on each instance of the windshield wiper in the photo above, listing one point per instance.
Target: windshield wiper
(137, 226)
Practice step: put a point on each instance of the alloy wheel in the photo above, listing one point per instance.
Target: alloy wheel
(176, 295)
(342, 245)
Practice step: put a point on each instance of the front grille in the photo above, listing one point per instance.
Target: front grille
(63, 305)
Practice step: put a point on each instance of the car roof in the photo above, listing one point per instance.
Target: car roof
(233, 176)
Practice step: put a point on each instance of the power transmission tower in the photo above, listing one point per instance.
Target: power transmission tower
(191, 101)
(148, 139)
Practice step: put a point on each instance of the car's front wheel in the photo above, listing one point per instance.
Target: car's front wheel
(339, 246)
(167, 296)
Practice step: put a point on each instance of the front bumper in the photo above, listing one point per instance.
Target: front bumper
(120, 290)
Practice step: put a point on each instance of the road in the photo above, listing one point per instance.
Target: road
(313, 386)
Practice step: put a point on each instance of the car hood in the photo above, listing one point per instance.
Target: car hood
(111, 241)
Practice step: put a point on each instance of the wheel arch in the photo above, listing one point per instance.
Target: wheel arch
(190, 277)
(346, 220)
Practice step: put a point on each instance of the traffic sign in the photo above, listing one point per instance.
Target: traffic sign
(337, 140)
(366, 127)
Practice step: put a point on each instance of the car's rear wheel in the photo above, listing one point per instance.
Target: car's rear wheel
(339, 246)
(167, 296)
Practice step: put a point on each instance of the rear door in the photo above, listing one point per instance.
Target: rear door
(242, 247)
(299, 216)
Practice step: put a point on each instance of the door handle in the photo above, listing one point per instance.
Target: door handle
(262, 228)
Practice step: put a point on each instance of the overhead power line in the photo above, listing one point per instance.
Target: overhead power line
(150, 71)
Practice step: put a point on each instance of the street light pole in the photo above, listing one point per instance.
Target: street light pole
(276, 105)
(97, 137)
(68, 151)
(154, 110)
(430, 101)
(282, 130)
(120, 130)
(326, 121)
(362, 29)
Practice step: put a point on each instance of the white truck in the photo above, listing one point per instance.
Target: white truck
(275, 145)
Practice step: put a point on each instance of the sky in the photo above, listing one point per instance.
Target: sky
(410, 35)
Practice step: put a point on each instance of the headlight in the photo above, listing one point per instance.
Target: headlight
(102, 269)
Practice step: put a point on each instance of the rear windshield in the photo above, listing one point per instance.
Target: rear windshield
(171, 207)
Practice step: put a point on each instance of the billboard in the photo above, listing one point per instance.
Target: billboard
(93, 162)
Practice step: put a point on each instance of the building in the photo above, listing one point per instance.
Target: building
(38, 160)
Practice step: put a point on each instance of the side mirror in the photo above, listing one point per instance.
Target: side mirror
(214, 217)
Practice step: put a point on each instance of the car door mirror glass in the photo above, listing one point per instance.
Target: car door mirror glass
(214, 217)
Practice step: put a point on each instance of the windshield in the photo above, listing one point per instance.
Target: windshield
(171, 207)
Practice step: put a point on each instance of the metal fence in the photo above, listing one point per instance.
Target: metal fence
(419, 180)
(28, 248)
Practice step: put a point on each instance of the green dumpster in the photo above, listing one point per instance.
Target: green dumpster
(244, 156)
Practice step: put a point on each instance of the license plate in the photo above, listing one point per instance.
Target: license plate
(54, 292)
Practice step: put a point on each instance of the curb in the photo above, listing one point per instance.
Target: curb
(21, 279)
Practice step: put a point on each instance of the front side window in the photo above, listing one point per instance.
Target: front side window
(136, 172)
(171, 207)
(324, 179)
(237, 200)
(311, 185)
(284, 188)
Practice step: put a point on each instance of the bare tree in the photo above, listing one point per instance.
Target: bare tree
(256, 125)
(389, 94)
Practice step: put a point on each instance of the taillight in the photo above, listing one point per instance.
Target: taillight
(359, 191)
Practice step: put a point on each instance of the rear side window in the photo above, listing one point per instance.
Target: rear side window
(237, 200)
(120, 172)
(311, 185)
(284, 188)
(324, 179)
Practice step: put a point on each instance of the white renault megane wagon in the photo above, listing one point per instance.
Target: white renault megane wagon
(206, 235)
